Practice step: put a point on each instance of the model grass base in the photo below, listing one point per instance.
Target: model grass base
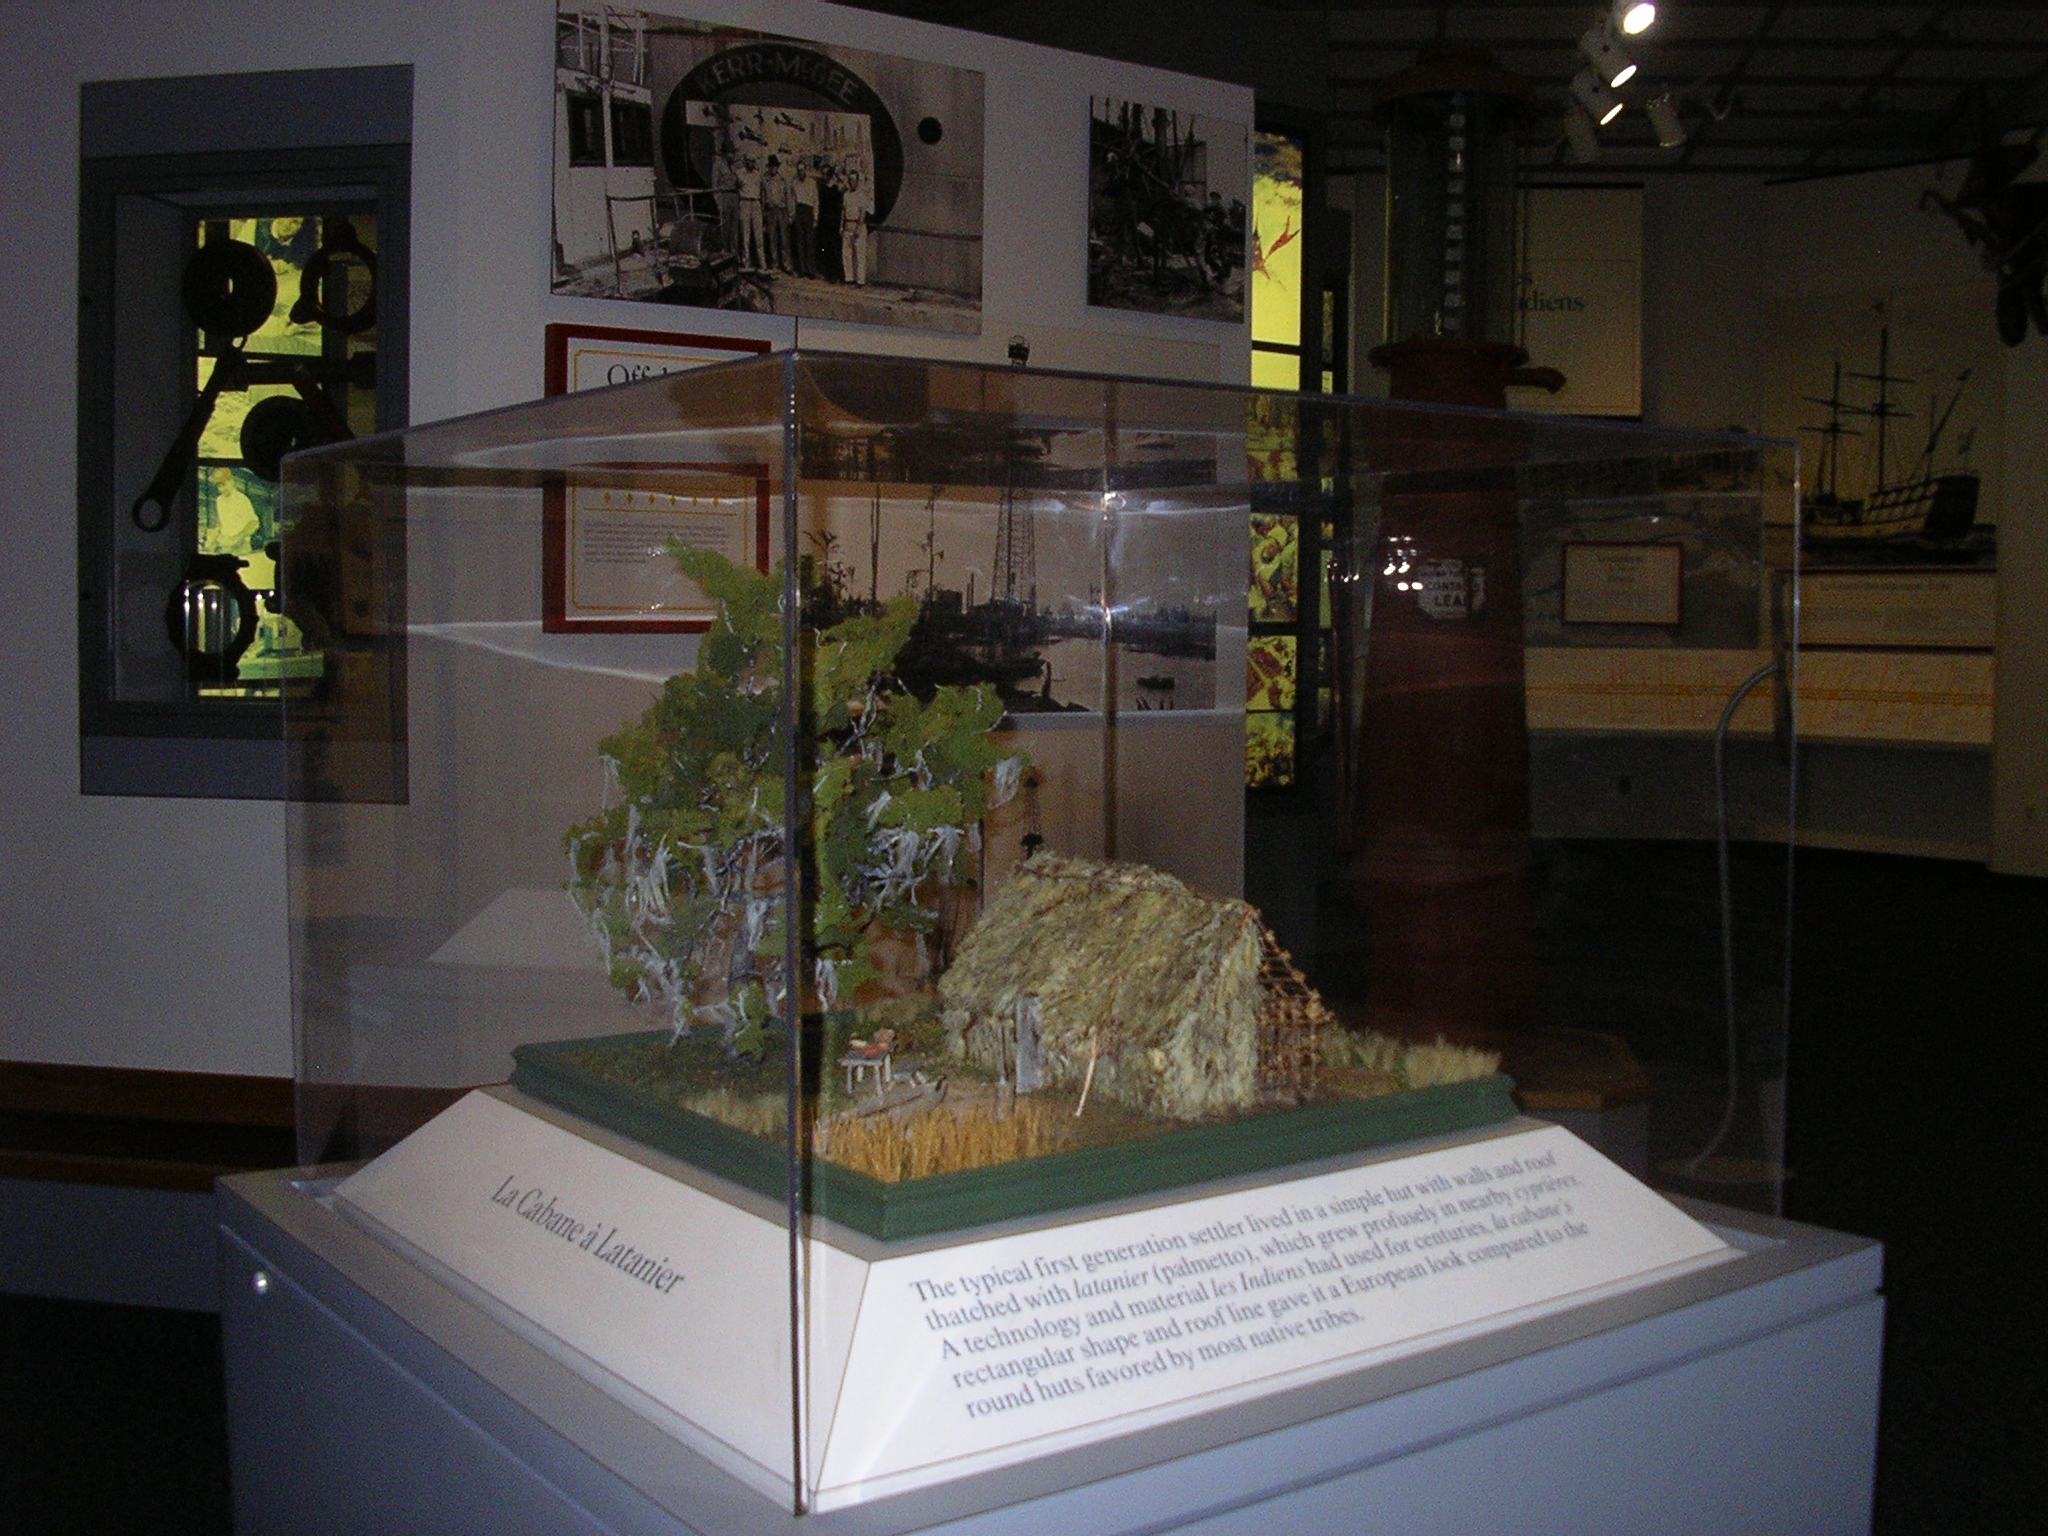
(1058, 1181)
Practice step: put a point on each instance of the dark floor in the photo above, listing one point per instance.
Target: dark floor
(111, 1420)
(1914, 1073)
(1916, 1117)
(1915, 1070)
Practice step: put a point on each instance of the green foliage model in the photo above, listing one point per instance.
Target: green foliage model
(683, 879)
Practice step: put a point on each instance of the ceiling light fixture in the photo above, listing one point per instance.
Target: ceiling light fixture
(1664, 120)
(1603, 49)
(1597, 97)
(1634, 17)
(1582, 140)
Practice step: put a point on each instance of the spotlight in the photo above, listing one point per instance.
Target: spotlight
(1597, 97)
(1663, 111)
(1634, 17)
(1603, 49)
(1582, 140)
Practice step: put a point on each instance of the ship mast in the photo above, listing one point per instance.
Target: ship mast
(1883, 409)
(1833, 432)
(1940, 423)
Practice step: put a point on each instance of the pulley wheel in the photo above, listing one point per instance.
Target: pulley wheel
(273, 428)
(344, 244)
(229, 287)
(211, 617)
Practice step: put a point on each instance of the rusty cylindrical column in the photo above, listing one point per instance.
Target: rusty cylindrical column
(1441, 819)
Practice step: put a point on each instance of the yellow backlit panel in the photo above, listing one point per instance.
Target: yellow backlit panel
(1276, 370)
(1276, 242)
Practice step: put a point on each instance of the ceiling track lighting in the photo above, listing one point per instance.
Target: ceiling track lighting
(1633, 17)
(1602, 105)
(1602, 49)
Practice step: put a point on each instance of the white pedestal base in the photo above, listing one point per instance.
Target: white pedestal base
(925, 1363)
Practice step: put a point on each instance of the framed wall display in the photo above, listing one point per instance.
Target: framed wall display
(237, 302)
(1624, 583)
(597, 356)
(604, 562)
(605, 566)
(1167, 195)
(731, 169)
(1900, 396)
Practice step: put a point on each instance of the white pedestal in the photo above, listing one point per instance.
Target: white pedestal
(926, 1362)
(368, 1392)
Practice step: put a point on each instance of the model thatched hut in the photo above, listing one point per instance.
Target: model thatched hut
(1185, 1004)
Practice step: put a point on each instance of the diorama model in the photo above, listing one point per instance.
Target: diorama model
(872, 960)
(958, 1014)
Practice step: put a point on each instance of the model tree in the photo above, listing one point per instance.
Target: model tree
(683, 879)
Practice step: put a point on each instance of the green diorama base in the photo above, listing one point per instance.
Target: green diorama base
(605, 1080)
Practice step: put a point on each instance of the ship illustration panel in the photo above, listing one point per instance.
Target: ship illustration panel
(1899, 403)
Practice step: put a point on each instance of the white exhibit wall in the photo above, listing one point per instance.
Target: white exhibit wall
(151, 932)
(1704, 306)
(2019, 731)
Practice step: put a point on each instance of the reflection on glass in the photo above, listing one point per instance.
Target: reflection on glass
(1269, 750)
(1269, 672)
(1270, 428)
(1276, 565)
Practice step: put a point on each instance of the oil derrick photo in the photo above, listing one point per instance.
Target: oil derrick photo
(1166, 211)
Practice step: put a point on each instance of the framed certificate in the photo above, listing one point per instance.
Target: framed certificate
(608, 533)
(607, 530)
(598, 356)
(1623, 583)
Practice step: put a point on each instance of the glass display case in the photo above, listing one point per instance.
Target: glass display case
(816, 786)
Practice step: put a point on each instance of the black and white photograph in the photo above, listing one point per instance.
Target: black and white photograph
(730, 169)
(1166, 210)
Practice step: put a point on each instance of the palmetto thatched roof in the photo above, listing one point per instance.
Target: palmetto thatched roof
(1185, 1003)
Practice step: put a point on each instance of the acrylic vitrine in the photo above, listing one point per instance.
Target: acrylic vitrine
(925, 1020)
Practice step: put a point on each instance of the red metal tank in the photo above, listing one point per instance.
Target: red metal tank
(1440, 820)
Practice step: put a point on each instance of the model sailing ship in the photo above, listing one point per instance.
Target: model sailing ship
(1921, 509)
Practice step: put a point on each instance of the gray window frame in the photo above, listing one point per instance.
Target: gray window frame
(248, 139)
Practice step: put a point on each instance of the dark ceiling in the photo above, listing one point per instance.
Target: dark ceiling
(1785, 90)
(1812, 88)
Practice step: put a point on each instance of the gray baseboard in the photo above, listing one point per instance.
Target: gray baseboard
(109, 1243)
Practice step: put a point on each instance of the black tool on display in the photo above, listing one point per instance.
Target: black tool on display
(211, 617)
(229, 290)
(341, 242)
